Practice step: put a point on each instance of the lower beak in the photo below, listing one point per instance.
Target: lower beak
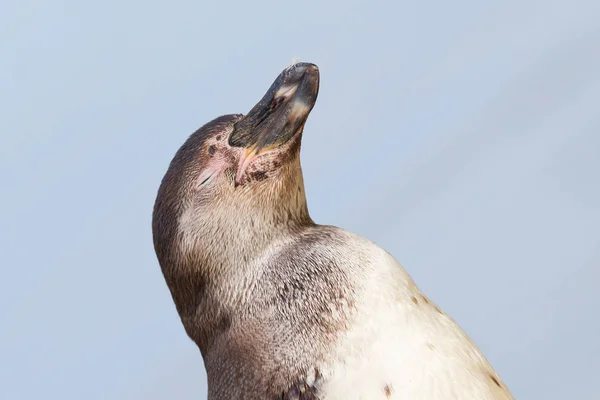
(279, 115)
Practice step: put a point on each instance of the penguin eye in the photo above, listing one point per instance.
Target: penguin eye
(205, 178)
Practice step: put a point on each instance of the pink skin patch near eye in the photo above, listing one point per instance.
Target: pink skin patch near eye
(216, 165)
(204, 177)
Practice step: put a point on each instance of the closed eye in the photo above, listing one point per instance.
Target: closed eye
(205, 178)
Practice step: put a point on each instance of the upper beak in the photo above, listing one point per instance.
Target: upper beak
(279, 115)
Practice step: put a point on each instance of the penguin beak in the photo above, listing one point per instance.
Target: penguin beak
(278, 116)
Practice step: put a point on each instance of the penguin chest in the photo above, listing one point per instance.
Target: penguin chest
(408, 350)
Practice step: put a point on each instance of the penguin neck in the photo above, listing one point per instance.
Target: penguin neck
(246, 225)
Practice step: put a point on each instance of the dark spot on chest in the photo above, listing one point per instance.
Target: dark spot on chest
(414, 300)
(211, 149)
(496, 381)
(387, 389)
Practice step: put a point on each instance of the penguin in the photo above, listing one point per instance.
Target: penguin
(281, 307)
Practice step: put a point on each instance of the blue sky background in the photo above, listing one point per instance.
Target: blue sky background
(463, 137)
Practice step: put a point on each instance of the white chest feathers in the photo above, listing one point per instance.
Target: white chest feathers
(402, 346)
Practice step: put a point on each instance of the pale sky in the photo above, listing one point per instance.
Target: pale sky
(463, 137)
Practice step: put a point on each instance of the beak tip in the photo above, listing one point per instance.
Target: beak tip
(304, 66)
(279, 114)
